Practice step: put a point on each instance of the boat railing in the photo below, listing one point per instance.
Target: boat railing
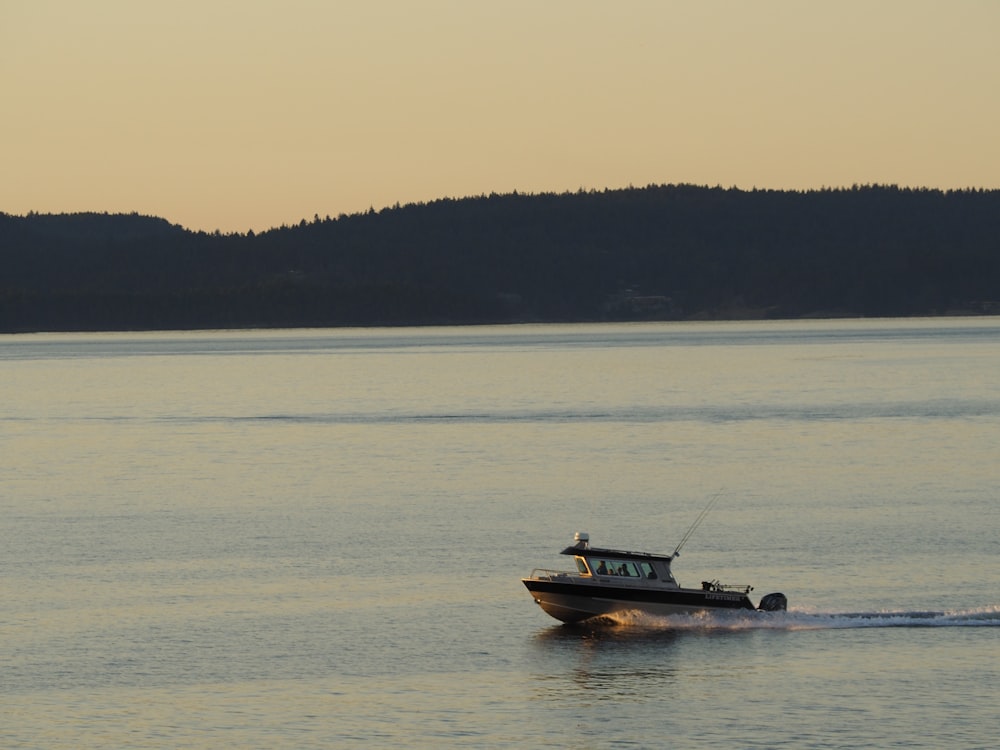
(737, 588)
(542, 574)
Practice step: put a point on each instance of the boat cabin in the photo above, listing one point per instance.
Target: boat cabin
(605, 564)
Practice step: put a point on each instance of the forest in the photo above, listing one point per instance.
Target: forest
(661, 252)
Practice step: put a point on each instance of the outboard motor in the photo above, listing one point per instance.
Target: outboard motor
(773, 603)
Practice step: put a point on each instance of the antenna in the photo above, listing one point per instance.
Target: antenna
(697, 523)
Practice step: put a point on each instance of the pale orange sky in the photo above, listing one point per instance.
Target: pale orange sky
(240, 114)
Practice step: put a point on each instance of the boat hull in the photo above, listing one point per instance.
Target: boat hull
(572, 601)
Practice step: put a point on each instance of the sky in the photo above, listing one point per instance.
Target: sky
(245, 114)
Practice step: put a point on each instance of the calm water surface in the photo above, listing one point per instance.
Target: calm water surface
(312, 539)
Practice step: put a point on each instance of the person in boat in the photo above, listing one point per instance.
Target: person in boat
(602, 569)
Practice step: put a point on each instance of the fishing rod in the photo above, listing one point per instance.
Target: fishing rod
(697, 523)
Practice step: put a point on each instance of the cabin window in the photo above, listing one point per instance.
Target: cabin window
(605, 568)
(628, 570)
(581, 565)
(617, 568)
(647, 570)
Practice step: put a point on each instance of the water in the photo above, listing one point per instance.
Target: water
(312, 539)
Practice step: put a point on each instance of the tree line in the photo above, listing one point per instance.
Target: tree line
(669, 252)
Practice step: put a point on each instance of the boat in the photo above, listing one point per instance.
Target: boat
(610, 581)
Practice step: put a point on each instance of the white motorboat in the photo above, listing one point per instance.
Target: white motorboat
(609, 581)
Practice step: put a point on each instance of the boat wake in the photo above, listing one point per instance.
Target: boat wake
(805, 620)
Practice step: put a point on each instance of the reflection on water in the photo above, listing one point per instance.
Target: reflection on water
(604, 661)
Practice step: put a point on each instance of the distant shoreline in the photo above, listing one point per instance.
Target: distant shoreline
(663, 252)
(403, 326)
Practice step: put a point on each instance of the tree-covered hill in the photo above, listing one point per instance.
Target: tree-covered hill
(660, 252)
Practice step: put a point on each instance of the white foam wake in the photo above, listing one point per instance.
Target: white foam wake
(805, 620)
